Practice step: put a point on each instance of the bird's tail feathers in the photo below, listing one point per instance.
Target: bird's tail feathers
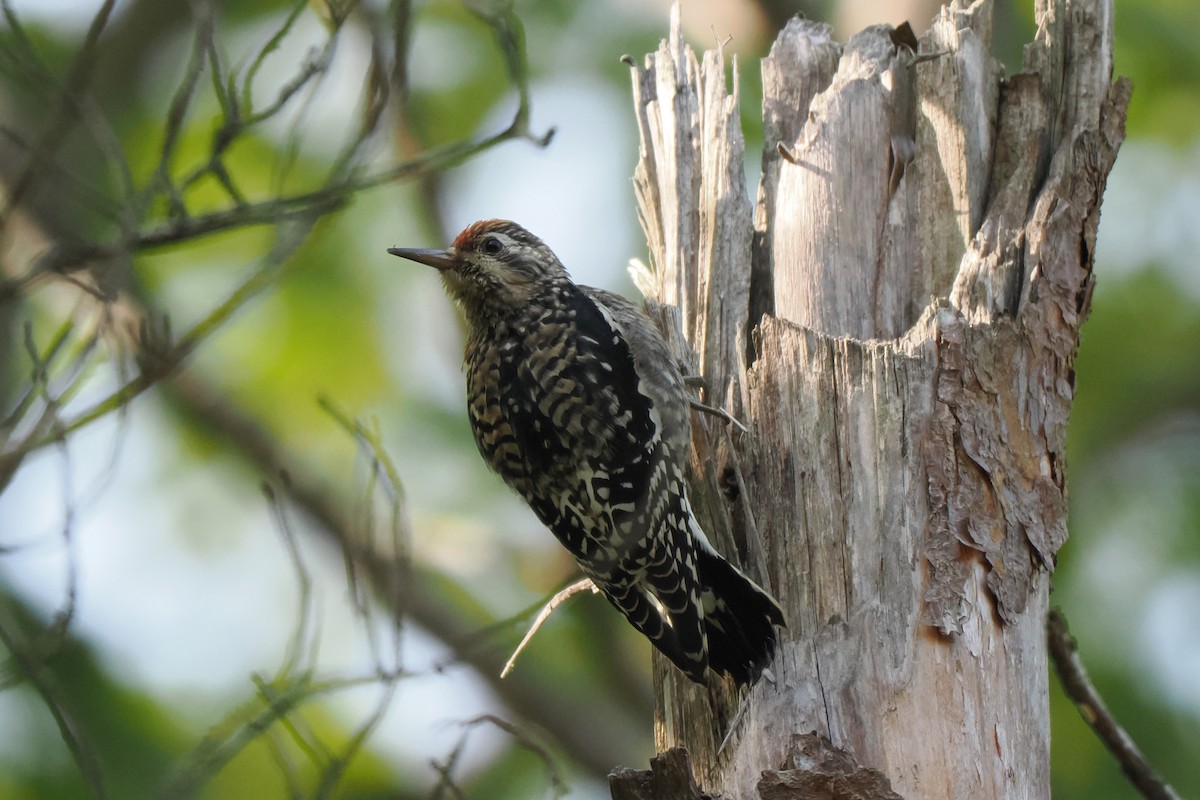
(645, 612)
(739, 618)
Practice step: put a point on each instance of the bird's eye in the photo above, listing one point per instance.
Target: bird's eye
(492, 246)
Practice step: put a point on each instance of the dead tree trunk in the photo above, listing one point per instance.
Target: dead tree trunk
(896, 322)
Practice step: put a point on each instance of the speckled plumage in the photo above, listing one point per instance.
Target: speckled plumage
(576, 403)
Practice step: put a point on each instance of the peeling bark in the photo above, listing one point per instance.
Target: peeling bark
(669, 778)
(818, 769)
(897, 323)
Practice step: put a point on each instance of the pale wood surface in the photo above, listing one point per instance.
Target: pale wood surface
(921, 248)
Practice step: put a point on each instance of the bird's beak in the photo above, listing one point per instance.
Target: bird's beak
(438, 259)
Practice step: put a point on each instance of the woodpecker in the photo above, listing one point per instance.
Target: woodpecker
(575, 401)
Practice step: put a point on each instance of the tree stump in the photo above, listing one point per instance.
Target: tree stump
(896, 321)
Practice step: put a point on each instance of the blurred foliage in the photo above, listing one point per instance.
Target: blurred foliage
(1139, 362)
(338, 321)
(1137, 406)
(134, 754)
(1154, 46)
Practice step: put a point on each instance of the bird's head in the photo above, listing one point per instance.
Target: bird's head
(493, 268)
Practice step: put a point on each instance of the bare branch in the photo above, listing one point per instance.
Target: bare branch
(292, 659)
(27, 660)
(720, 414)
(548, 609)
(1075, 682)
(156, 214)
(177, 112)
(426, 605)
(384, 472)
(557, 784)
(80, 749)
(271, 46)
(445, 771)
(58, 126)
(288, 240)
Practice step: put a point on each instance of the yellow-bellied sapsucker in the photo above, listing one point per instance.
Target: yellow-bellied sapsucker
(576, 402)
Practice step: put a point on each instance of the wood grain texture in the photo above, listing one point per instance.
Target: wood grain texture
(897, 324)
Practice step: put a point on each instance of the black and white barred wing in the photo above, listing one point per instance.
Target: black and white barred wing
(738, 616)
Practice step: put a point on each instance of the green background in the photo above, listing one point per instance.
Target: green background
(190, 616)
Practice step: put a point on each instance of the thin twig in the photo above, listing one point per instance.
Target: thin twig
(294, 652)
(434, 601)
(29, 661)
(557, 784)
(80, 750)
(273, 703)
(445, 771)
(543, 615)
(316, 64)
(325, 200)
(96, 198)
(720, 413)
(289, 239)
(336, 768)
(56, 130)
(385, 475)
(1095, 713)
(181, 103)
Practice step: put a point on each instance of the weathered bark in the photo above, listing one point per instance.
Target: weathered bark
(896, 323)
